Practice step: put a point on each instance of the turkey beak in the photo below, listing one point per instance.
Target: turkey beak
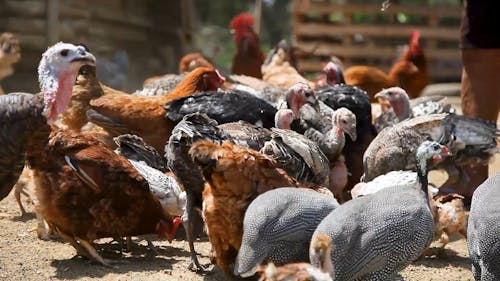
(351, 131)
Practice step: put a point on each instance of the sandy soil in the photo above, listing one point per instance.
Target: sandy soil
(24, 257)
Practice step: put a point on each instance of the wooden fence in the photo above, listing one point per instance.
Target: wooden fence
(363, 34)
(154, 34)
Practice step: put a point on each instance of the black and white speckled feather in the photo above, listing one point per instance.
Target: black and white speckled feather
(278, 226)
(134, 148)
(483, 230)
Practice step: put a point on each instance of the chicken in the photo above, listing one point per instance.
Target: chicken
(191, 61)
(451, 218)
(409, 72)
(320, 248)
(248, 57)
(84, 191)
(372, 79)
(10, 53)
(86, 88)
(278, 71)
(234, 177)
(259, 88)
(159, 85)
(415, 82)
(145, 116)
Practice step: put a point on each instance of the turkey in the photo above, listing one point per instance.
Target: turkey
(377, 235)
(397, 106)
(224, 107)
(278, 226)
(471, 140)
(483, 230)
(358, 102)
(23, 114)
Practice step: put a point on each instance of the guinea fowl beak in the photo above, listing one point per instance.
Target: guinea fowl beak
(444, 152)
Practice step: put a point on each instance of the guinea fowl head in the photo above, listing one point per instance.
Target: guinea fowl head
(395, 98)
(300, 94)
(344, 119)
(430, 151)
(57, 73)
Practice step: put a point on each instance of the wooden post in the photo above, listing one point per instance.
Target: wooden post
(52, 21)
(258, 16)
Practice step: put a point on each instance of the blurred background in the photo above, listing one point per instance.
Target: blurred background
(136, 39)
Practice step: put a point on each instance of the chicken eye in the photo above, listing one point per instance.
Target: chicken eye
(343, 121)
(64, 52)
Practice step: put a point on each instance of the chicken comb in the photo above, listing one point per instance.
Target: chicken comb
(244, 19)
(414, 37)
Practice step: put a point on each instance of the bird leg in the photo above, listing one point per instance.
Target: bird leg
(151, 246)
(92, 253)
(194, 265)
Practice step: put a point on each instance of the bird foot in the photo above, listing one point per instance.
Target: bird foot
(195, 265)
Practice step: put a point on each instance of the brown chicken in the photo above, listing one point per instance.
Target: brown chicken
(122, 114)
(248, 57)
(320, 249)
(86, 88)
(85, 191)
(451, 217)
(409, 72)
(415, 82)
(234, 177)
(373, 80)
(10, 53)
(187, 63)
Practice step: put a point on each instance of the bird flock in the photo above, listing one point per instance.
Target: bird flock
(290, 178)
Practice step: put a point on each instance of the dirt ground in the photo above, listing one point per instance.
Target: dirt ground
(24, 257)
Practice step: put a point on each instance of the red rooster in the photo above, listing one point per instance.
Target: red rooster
(249, 57)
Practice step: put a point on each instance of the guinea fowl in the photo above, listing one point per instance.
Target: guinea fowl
(377, 235)
(483, 230)
(471, 140)
(397, 106)
(224, 107)
(358, 102)
(321, 247)
(278, 226)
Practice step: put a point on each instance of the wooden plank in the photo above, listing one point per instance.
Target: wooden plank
(25, 25)
(372, 30)
(305, 7)
(25, 8)
(328, 49)
(52, 21)
(32, 41)
(118, 16)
